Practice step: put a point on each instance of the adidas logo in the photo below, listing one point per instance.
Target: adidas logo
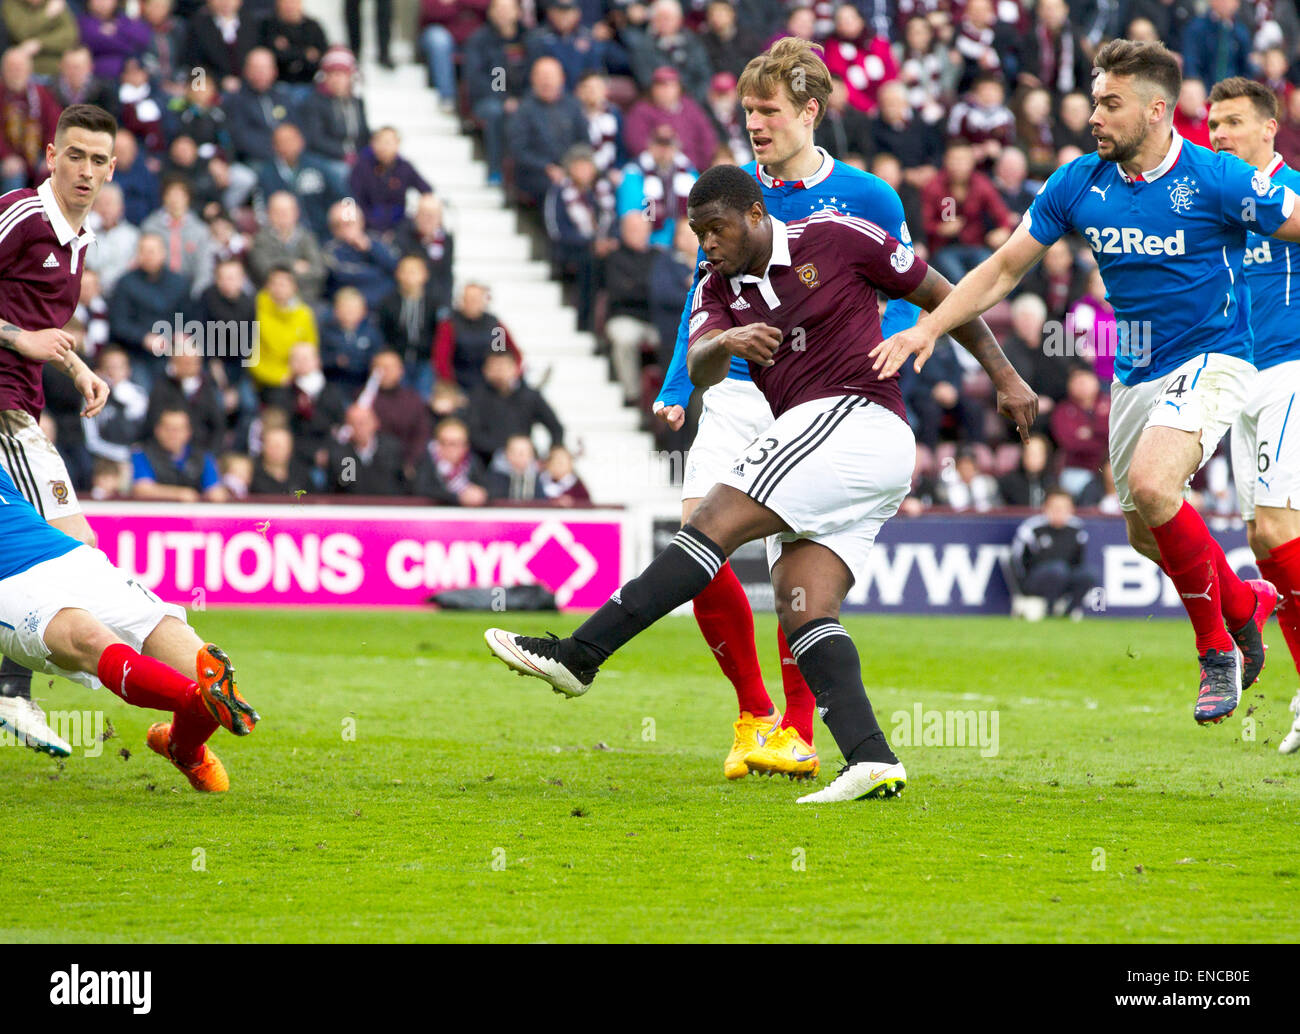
(739, 304)
(50, 262)
(738, 469)
(822, 712)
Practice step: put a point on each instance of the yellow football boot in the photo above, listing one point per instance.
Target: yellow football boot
(751, 730)
(784, 752)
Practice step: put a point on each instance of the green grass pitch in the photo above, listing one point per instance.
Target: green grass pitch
(405, 786)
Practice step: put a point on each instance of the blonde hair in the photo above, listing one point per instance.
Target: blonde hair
(792, 64)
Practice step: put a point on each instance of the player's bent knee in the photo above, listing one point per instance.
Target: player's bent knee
(76, 639)
(1273, 528)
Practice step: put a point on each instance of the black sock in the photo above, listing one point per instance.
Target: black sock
(678, 574)
(828, 660)
(15, 680)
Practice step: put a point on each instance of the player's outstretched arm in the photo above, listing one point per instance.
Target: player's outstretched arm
(1290, 230)
(675, 394)
(1016, 400)
(92, 387)
(980, 289)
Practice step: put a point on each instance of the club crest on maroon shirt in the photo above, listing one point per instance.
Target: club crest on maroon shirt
(808, 275)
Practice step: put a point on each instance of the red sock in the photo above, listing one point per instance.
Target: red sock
(727, 622)
(1188, 548)
(144, 682)
(1282, 568)
(1235, 596)
(799, 700)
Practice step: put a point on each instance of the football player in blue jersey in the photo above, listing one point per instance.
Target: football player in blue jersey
(1265, 461)
(64, 609)
(1167, 222)
(784, 93)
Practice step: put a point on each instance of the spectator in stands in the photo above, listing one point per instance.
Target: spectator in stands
(729, 43)
(1036, 132)
(109, 480)
(722, 105)
(1216, 45)
(628, 324)
(334, 119)
(858, 56)
(285, 241)
(604, 123)
(495, 71)
(934, 396)
(316, 407)
(657, 185)
(76, 82)
(294, 170)
(29, 117)
(671, 276)
(227, 241)
(188, 241)
(424, 234)
(278, 470)
(445, 25)
(1072, 129)
(349, 339)
(927, 70)
(1192, 114)
(981, 41)
(887, 167)
(504, 406)
(1080, 425)
(354, 258)
(1092, 322)
(579, 217)
(667, 43)
(1273, 70)
(220, 37)
(408, 317)
(1009, 176)
(284, 320)
(146, 300)
(164, 56)
(896, 130)
(514, 473)
(562, 35)
(257, 108)
(186, 385)
(116, 240)
(547, 123)
(141, 191)
(92, 314)
(383, 27)
(402, 413)
(169, 467)
(1287, 140)
(381, 179)
(236, 472)
(228, 307)
(448, 472)
(198, 114)
(667, 105)
(1057, 280)
(298, 43)
(558, 482)
(1031, 482)
(1049, 557)
(1052, 56)
(1047, 374)
(42, 30)
(983, 120)
(111, 36)
(362, 461)
(800, 22)
(183, 163)
(467, 337)
(965, 218)
(112, 432)
(141, 107)
(844, 132)
(963, 486)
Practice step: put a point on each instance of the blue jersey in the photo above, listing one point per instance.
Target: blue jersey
(1274, 299)
(25, 539)
(836, 186)
(1170, 246)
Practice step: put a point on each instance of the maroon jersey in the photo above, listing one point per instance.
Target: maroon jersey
(41, 260)
(820, 291)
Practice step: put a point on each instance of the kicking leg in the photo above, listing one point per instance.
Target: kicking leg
(725, 520)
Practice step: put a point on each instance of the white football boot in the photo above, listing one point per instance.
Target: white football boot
(856, 782)
(25, 721)
(1291, 742)
(531, 655)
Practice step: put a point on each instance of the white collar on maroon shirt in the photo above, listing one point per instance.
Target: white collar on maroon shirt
(823, 170)
(1171, 156)
(58, 222)
(780, 257)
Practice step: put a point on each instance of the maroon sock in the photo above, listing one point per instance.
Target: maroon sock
(1187, 548)
(799, 699)
(724, 616)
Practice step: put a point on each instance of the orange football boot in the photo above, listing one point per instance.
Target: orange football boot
(207, 775)
(217, 687)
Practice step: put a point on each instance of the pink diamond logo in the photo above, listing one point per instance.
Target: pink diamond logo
(557, 560)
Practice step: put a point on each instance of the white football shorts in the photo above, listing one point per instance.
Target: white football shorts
(734, 414)
(1266, 445)
(35, 466)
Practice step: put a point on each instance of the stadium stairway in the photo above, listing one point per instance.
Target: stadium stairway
(616, 460)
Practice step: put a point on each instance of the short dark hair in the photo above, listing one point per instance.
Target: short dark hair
(1259, 95)
(729, 185)
(90, 117)
(1151, 62)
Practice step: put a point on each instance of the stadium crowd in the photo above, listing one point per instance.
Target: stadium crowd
(251, 193)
